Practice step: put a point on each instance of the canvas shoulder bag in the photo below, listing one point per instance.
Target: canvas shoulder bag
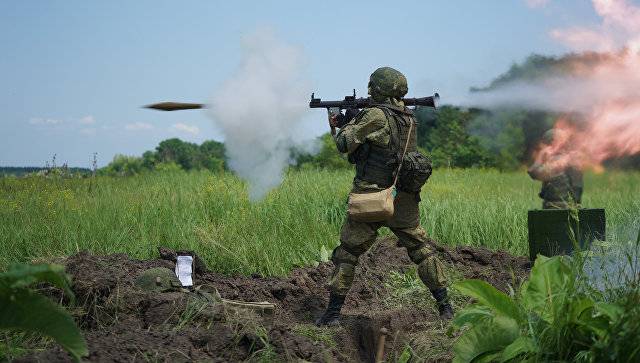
(377, 206)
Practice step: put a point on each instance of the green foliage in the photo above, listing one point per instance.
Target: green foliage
(501, 133)
(552, 317)
(406, 289)
(23, 309)
(449, 142)
(327, 158)
(123, 165)
(168, 167)
(210, 155)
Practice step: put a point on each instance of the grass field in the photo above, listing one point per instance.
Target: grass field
(211, 214)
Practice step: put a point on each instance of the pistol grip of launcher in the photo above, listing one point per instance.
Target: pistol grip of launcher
(331, 112)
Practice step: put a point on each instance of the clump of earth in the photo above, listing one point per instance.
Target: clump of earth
(123, 323)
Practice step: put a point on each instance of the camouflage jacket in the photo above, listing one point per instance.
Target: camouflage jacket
(370, 125)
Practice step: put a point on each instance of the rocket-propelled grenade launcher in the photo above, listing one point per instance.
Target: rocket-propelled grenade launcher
(351, 102)
(352, 105)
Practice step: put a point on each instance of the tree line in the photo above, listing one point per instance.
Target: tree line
(170, 154)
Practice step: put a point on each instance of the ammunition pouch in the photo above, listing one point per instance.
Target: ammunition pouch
(375, 165)
(416, 170)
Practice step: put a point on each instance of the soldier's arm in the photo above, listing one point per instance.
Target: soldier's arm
(544, 171)
(369, 122)
(535, 171)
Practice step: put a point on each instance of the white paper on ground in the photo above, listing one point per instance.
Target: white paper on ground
(184, 270)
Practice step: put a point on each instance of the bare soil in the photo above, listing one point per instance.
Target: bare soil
(122, 323)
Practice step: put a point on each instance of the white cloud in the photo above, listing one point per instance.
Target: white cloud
(191, 129)
(137, 126)
(44, 121)
(87, 120)
(88, 131)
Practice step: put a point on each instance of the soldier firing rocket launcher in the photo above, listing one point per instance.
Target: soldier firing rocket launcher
(352, 105)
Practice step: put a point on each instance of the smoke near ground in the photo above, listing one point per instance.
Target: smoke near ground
(260, 108)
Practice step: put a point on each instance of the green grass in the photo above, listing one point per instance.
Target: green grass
(211, 214)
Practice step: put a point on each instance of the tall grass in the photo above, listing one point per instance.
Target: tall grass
(211, 214)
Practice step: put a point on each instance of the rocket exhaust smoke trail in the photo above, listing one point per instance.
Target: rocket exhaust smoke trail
(604, 93)
(259, 108)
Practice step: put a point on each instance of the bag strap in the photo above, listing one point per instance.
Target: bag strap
(406, 145)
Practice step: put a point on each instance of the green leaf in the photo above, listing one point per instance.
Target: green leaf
(21, 275)
(546, 288)
(487, 358)
(612, 311)
(472, 314)
(405, 357)
(490, 297)
(521, 346)
(25, 310)
(579, 307)
(487, 338)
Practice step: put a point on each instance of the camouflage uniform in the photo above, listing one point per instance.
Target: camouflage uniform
(561, 189)
(372, 126)
(374, 141)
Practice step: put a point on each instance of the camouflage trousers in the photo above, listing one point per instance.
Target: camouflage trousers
(357, 237)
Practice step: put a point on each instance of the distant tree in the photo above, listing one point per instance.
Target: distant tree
(149, 159)
(448, 141)
(327, 157)
(212, 156)
(123, 165)
(168, 167)
(178, 151)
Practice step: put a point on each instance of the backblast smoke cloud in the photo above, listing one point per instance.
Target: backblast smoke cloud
(259, 108)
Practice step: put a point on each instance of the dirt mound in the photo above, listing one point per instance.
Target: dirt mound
(123, 323)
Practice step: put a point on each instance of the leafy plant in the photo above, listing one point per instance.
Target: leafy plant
(23, 309)
(550, 318)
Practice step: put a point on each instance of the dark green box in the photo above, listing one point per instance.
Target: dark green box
(553, 231)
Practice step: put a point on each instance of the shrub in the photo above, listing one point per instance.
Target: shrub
(556, 315)
(25, 310)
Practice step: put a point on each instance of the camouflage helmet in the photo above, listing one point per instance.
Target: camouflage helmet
(388, 82)
(157, 279)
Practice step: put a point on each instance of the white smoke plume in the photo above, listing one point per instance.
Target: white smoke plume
(614, 78)
(260, 108)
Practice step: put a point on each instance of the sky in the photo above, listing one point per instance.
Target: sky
(74, 74)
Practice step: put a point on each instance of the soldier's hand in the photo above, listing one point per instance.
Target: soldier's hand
(334, 117)
(333, 120)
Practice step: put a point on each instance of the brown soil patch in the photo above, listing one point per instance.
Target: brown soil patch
(124, 324)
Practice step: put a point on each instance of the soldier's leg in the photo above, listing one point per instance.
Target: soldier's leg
(422, 251)
(424, 254)
(355, 239)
